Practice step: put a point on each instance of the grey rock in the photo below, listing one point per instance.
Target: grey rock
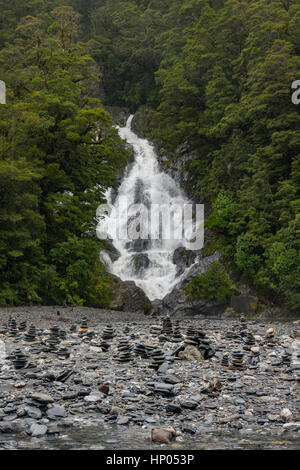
(38, 430)
(56, 412)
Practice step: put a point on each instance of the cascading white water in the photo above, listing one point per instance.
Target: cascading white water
(147, 262)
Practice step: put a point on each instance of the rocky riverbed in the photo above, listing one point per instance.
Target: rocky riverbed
(80, 383)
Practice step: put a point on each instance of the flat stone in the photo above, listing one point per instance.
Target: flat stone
(94, 397)
(123, 420)
(32, 412)
(190, 404)
(56, 412)
(42, 398)
(38, 430)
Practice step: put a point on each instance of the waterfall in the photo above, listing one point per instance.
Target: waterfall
(147, 262)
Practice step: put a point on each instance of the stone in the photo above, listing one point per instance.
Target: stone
(37, 430)
(94, 397)
(190, 353)
(123, 420)
(33, 412)
(173, 408)
(163, 436)
(56, 412)
(129, 297)
(286, 414)
(104, 388)
(188, 403)
(42, 397)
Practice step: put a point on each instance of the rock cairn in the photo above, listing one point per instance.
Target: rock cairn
(254, 356)
(225, 360)
(155, 330)
(13, 330)
(167, 327)
(22, 326)
(177, 336)
(30, 335)
(191, 336)
(84, 325)
(270, 337)
(157, 357)
(63, 335)
(54, 338)
(3, 329)
(19, 359)
(124, 351)
(142, 350)
(249, 341)
(237, 358)
(107, 336)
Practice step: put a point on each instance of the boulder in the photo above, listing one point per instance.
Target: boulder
(190, 353)
(129, 297)
(163, 436)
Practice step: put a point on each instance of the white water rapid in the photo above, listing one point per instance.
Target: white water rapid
(148, 262)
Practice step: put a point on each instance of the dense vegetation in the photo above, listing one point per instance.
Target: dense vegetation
(215, 75)
(58, 153)
(214, 284)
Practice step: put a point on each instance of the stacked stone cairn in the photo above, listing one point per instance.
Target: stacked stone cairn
(142, 350)
(3, 329)
(177, 336)
(54, 338)
(254, 356)
(13, 331)
(63, 352)
(225, 360)
(107, 335)
(270, 337)
(191, 336)
(155, 329)
(22, 326)
(249, 341)
(30, 335)
(63, 334)
(19, 359)
(157, 357)
(237, 359)
(286, 358)
(124, 351)
(84, 326)
(167, 327)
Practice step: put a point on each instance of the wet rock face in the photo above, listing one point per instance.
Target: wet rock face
(119, 115)
(183, 259)
(175, 303)
(113, 253)
(130, 298)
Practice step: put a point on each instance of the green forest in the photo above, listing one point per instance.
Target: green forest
(215, 75)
